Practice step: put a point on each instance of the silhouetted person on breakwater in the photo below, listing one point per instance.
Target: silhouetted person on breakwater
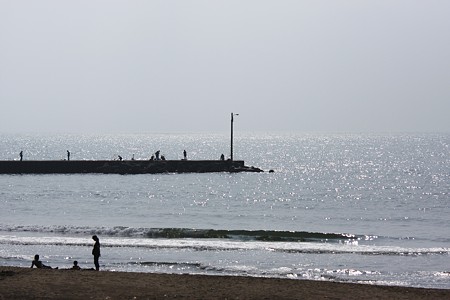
(152, 157)
(68, 155)
(222, 157)
(157, 154)
(120, 157)
(185, 154)
(21, 155)
(96, 252)
(38, 264)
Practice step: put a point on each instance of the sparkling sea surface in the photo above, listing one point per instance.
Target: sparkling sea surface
(364, 208)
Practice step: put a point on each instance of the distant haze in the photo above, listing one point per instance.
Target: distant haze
(185, 65)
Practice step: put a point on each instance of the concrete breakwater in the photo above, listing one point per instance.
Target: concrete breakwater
(123, 167)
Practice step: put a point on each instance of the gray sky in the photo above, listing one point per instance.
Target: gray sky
(185, 65)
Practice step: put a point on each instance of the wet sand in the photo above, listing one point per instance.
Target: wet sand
(27, 283)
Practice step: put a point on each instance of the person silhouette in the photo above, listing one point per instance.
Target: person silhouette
(68, 155)
(185, 155)
(21, 155)
(38, 264)
(96, 252)
(75, 265)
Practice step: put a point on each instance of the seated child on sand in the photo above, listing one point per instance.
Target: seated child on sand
(75, 266)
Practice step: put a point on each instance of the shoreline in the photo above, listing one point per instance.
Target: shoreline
(27, 283)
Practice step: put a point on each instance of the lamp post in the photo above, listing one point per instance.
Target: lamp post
(231, 155)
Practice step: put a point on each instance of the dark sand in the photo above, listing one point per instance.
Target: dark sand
(27, 283)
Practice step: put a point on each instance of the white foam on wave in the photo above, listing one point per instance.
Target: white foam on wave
(220, 245)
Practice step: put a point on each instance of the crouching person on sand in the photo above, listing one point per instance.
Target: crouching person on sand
(75, 265)
(38, 264)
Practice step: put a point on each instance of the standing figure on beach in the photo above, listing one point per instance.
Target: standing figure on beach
(21, 155)
(157, 154)
(96, 252)
(38, 264)
(185, 155)
(222, 157)
(68, 155)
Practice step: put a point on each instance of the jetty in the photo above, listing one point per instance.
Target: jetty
(123, 167)
(152, 166)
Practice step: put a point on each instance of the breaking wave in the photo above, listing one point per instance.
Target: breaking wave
(187, 233)
(208, 240)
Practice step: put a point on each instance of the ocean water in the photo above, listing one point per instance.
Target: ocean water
(364, 208)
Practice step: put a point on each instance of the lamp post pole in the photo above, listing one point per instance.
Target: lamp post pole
(231, 154)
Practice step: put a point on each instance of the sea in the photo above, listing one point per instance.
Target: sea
(369, 208)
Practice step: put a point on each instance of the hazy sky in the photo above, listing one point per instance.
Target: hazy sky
(185, 65)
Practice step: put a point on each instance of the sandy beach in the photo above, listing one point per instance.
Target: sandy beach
(27, 283)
